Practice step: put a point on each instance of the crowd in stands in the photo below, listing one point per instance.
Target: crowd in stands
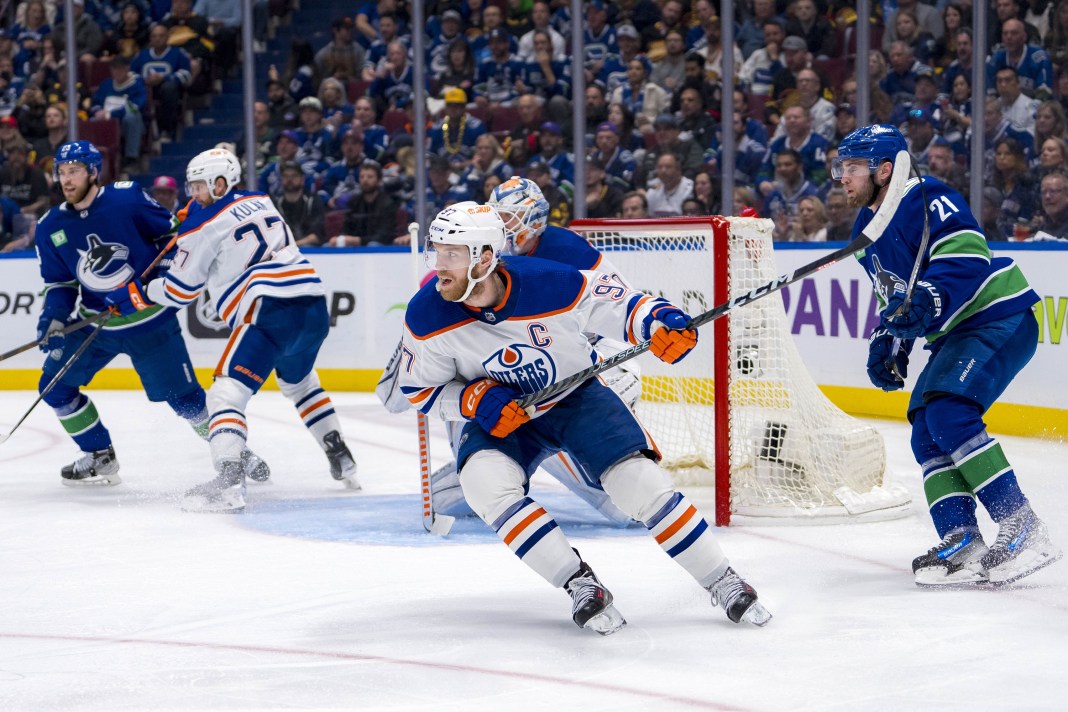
(333, 126)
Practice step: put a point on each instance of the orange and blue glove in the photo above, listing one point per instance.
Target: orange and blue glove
(129, 298)
(493, 406)
(674, 340)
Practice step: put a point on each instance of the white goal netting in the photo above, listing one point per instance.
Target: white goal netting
(785, 451)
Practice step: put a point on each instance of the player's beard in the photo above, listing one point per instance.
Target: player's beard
(863, 195)
(79, 194)
(459, 281)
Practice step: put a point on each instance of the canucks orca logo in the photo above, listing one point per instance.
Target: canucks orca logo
(103, 266)
(886, 283)
(521, 366)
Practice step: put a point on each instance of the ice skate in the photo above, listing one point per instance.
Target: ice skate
(342, 464)
(738, 599)
(1022, 547)
(255, 468)
(955, 562)
(226, 493)
(99, 468)
(591, 603)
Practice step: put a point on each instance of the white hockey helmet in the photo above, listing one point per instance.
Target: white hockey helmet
(211, 164)
(524, 210)
(470, 225)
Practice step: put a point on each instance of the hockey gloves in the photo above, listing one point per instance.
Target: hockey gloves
(492, 405)
(50, 336)
(881, 358)
(674, 339)
(129, 298)
(924, 309)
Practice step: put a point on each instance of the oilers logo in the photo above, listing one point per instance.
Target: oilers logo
(520, 365)
(103, 266)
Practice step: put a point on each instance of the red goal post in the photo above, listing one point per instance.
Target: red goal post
(742, 413)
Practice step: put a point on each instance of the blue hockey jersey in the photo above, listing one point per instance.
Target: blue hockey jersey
(93, 251)
(977, 288)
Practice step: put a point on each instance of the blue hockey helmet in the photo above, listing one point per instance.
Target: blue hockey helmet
(875, 144)
(78, 152)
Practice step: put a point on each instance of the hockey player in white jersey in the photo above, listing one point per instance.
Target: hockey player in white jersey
(483, 334)
(525, 212)
(237, 248)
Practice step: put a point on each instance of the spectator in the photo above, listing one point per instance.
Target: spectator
(559, 163)
(991, 211)
(1016, 106)
(596, 110)
(343, 58)
(613, 73)
(316, 138)
(1030, 61)
(540, 14)
(388, 31)
(942, 164)
(559, 201)
(810, 147)
(372, 215)
(689, 155)
(900, 82)
(695, 123)
(748, 155)
(286, 148)
(440, 191)
(751, 36)
(962, 65)
(23, 183)
(123, 97)
(744, 200)
(789, 187)
(460, 71)
(457, 132)
(1012, 178)
(29, 33)
(599, 38)
(488, 186)
(810, 225)
(301, 208)
(692, 207)
(926, 98)
(375, 138)
(1054, 225)
(954, 19)
(629, 138)
(927, 18)
(547, 78)
(820, 111)
(957, 113)
(492, 19)
(642, 98)
(712, 49)
(998, 127)
(56, 126)
(342, 179)
(88, 37)
(765, 62)
(451, 25)
(165, 192)
(839, 216)
(280, 106)
(168, 71)
(302, 74)
(665, 200)
(336, 109)
(394, 81)
(1004, 12)
(845, 122)
(618, 163)
(635, 206)
(499, 76)
(30, 111)
(487, 161)
(704, 191)
(1050, 122)
(522, 141)
(921, 132)
(602, 199)
(131, 35)
(908, 30)
(190, 32)
(816, 31)
(1056, 40)
(668, 72)
(793, 58)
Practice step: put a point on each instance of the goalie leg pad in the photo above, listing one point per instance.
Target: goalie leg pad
(642, 489)
(494, 485)
(565, 470)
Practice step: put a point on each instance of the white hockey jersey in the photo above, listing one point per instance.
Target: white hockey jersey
(535, 337)
(238, 249)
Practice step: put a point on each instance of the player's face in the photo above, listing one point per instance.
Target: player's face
(856, 182)
(198, 191)
(451, 263)
(74, 181)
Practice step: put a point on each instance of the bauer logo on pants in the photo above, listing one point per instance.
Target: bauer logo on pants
(522, 366)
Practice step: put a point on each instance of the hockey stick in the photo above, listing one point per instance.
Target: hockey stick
(869, 235)
(438, 524)
(921, 255)
(87, 321)
(98, 321)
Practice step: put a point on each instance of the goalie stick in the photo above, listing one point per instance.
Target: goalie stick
(97, 320)
(438, 524)
(872, 232)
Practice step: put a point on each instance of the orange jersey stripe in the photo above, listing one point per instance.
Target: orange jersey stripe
(234, 338)
(221, 212)
(168, 287)
(676, 526)
(236, 300)
(523, 525)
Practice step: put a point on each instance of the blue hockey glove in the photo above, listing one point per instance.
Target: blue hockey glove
(880, 360)
(926, 307)
(675, 339)
(50, 336)
(493, 406)
(129, 298)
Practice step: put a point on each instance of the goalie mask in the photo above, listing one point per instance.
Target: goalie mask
(212, 164)
(875, 144)
(524, 211)
(468, 225)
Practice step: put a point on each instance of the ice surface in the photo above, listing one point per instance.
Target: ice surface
(320, 598)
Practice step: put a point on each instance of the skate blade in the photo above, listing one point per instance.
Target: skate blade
(936, 578)
(97, 481)
(756, 614)
(224, 504)
(606, 622)
(351, 483)
(1040, 561)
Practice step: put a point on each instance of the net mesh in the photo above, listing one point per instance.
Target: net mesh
(792, 451)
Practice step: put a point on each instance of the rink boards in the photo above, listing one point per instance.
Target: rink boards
(830, 315)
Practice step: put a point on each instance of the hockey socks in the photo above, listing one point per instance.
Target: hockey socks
(983, 465)
(533, 535)
(81, 421)
(949, 497)
(684, 534)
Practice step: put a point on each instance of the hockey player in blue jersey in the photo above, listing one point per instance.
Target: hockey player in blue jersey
(974, 311)
(235, 246)
(486, 332)
(96, 240)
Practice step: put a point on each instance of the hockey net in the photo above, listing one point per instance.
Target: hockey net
(742, 411)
